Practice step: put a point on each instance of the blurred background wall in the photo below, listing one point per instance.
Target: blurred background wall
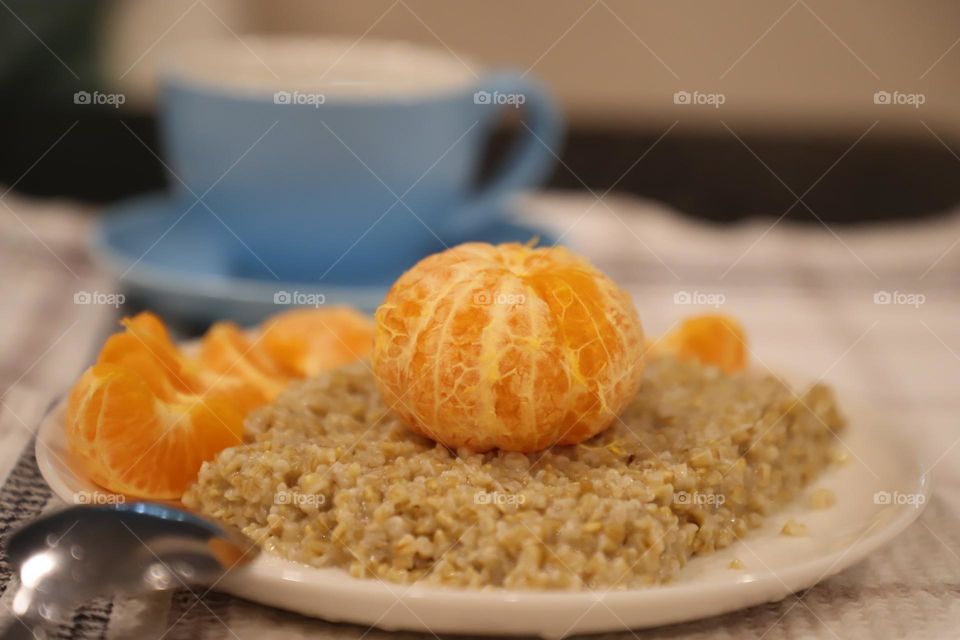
(797, 65)
(797, 80)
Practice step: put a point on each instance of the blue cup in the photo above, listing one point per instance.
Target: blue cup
(340, 161)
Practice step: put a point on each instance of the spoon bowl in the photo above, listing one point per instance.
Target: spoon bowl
(75, 554)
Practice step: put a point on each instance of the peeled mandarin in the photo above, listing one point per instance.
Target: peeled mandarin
(507, 346)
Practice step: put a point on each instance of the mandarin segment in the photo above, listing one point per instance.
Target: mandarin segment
(84, 405)
(305, 342)
(507, 346)
(234, 364)
(146, 347)
(713, 339)
(132, 442)
(144, 418)
(148, 329)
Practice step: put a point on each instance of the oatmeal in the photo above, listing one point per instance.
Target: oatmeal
(331, 479)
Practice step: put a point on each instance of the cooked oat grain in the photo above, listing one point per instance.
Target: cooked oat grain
(331, 478)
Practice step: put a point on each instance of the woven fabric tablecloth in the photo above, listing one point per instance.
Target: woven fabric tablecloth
(812, 299)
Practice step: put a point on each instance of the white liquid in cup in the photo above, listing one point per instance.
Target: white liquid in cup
(336, 68)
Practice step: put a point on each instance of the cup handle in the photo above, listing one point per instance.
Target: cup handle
(533, 153)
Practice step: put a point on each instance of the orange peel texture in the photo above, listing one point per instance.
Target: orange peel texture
(507, 346)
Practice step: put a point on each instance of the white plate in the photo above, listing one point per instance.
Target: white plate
(774, 565)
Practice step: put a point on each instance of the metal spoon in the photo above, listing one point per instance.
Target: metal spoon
(68, 557)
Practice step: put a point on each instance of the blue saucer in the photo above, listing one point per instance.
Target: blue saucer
(184, 266)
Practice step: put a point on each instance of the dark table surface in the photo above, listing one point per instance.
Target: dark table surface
(868, 172)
